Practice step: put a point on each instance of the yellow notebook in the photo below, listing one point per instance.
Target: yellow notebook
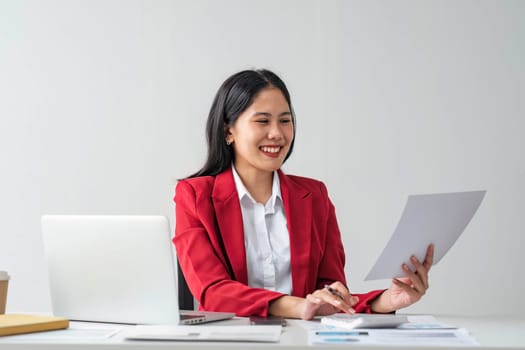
(17, 324)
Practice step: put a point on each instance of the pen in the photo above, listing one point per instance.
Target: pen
(339, 333)
(334, 291)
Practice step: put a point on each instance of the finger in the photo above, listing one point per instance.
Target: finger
(415, 279)
(429, 258)
(421, 271)
(344, 293)
(312, 305)
(412, 293)
(313, 299)
(335, 301)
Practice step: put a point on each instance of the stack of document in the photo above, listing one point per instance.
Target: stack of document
(419, 330)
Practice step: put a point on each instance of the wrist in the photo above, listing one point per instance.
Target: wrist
(382, 304)
(287, 306)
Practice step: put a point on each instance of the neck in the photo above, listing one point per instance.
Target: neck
(258, 183)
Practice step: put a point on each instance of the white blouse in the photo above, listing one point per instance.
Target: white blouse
(266, 239)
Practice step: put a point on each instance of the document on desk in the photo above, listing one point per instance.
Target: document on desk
(71, 334)
(265, 334)
(428, 218)
(419, 330)
(394, 337)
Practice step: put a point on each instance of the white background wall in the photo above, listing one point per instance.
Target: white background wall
(103, 106)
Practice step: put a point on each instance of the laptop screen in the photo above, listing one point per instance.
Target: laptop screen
(111, 268)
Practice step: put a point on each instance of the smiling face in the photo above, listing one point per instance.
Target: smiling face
(262, 134)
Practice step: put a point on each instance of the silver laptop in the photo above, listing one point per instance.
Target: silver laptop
(118, 269)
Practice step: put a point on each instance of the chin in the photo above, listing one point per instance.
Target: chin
(270, 168)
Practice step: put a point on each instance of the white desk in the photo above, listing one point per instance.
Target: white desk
(491, 332)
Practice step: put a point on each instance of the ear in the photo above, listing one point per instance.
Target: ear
(228, 135)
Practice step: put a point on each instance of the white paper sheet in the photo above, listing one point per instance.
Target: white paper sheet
(395, 337)
(428, 218)
(422, 330)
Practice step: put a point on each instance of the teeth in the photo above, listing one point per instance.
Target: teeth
(271, 149)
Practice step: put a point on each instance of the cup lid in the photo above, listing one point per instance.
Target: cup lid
(4, 275)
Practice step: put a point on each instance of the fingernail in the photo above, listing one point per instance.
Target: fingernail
(405, 267)
(413, 258)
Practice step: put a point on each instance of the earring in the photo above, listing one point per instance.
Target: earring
(229, 142)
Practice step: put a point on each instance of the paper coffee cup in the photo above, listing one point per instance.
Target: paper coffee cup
(4, 280)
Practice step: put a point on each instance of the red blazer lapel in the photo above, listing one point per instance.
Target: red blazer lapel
(229, 219)
(298, 209)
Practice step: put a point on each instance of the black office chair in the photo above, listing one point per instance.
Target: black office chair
(185, 296)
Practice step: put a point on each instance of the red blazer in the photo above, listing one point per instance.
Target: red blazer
(209, 240)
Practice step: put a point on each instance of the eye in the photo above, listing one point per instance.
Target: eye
(262, 121)
(285, 120)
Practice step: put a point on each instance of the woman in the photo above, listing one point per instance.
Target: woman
(255, 241)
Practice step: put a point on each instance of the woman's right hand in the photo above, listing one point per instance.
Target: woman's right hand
(324, 302)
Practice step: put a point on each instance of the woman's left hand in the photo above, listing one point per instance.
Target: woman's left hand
(407, 290)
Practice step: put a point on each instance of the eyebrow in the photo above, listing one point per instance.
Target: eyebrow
(266, 114)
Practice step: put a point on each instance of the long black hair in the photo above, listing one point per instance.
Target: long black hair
(233, 97)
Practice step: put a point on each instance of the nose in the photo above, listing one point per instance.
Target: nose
(275, 132)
